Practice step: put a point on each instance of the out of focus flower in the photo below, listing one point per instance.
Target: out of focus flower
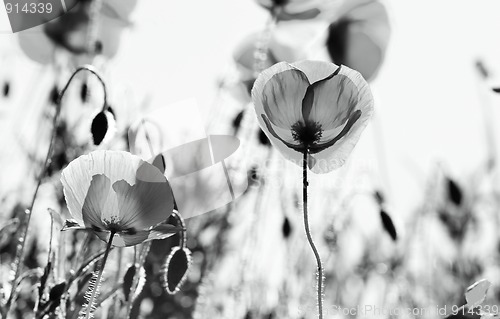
(300, 9)
(354, 33)
(360, 36)
(71, 32)
(244, 57)
(315, 107)
(113, 191)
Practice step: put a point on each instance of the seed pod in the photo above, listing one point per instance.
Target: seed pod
(103, 127)
(175, 270)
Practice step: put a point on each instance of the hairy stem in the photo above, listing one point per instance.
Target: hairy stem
(18, 261)
(309, 238)
(91, 301)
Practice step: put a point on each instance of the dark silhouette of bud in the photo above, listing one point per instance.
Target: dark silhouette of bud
(388, 225)
(103, 127)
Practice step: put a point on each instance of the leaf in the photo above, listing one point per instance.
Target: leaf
(7, 230)
(476, 293)
(454, 192)
(388, 224)
(43, 280)
(174, 272)
(70, 223)
(56, 217)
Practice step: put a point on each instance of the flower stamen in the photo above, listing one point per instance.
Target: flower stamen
(307, 134)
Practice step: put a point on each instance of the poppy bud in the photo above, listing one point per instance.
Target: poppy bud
(482, 70)
(54, 95)
(84, 92)
(6, 89)
(379, 197)
(263, 138)
(454, 192)
(286, 228)
(388, 225)
(128, 280)
(174, 272)
(237, 121)
(103, 127)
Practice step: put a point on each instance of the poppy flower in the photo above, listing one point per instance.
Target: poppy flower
(117, 192)
(315, 107)
(70, 32)
(354, 33)
(245, 60)
(359, 37)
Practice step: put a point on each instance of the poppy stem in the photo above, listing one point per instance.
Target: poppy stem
(308, 233)
(95, 289)
(180, 221)
(18, 261)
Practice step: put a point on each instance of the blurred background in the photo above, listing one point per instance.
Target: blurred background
(427, 164)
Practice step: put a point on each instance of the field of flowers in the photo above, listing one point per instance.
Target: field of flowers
(275, 199)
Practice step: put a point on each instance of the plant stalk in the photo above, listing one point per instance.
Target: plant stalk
(309, 238)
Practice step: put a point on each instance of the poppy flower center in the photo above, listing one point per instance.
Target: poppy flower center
(307, 134)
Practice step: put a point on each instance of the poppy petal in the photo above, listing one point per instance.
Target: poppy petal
(77, 176)
(334, 155)
(316, 70)
(95, 201)
(272, 131)
(132, 238)
(278, 93)
(347, 127)
(337, 98)
(144, 204)
(308, 101)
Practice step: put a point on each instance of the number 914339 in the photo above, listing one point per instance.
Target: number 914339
(33, 7)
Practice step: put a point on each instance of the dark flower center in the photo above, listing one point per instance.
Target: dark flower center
(307, 134)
